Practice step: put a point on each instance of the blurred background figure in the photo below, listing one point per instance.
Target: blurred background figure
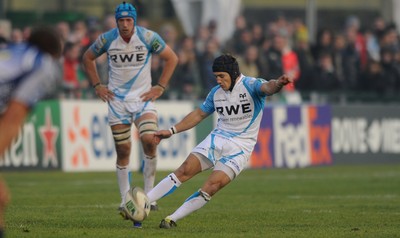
(30, 72)
(73, 84)
(64, 30)
(17, 36)
(109, 22)
(249, 63)
(169, 33)
(212, 50)
(187, 80)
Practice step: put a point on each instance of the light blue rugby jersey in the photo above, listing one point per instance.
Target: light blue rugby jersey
(129, 63)
(27, 75)
(239, 112)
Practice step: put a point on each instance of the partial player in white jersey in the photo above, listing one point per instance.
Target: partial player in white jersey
(30, 71)
(129, 93)
(239, 102)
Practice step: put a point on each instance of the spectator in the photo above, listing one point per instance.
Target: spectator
(109, 23)
(205, 61)
(340, 59)
(64, 30)
(245, 39)
(79, 34)
(16, 36)
(240, 25)
(281, 59)
(372, 78)
(300, 32)
(357, 38)
(306, 63)
(352, 61)
(378, 28)
(372, 44)
(201, 38)
(170, 35)
(273, 57)
(325, 81)
(187, 73)
(324, 43)
(390, 39)
(212, 28)
(71, 83)
(258, 35)
(324, 75)
(26, 32)
(101, 61)
(248, 64)
(391, 75)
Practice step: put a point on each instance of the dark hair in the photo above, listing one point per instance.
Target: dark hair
(227, 63)
(46, 39)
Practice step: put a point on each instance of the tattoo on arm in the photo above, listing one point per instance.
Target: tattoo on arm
(272, 86)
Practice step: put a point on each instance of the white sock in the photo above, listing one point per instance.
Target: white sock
(164, 187)
(123, 181)
(193, 203)
(149, 172)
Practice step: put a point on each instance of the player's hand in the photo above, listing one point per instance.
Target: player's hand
(284, 79)
(154, 93)
(162, 134)
(104, 93)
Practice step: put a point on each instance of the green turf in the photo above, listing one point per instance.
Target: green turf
(333, 201)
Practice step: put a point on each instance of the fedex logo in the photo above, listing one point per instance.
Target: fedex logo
(295, 136)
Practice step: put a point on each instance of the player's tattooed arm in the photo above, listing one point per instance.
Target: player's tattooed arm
(275, 85)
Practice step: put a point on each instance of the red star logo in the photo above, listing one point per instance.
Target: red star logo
(49, 135)
(76, 135)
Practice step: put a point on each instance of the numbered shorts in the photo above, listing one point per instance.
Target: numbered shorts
(126, 112)
(223, 150)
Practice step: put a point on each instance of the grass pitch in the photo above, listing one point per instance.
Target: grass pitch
(332, 201)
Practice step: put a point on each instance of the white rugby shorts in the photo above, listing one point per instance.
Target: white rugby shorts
(126, 112)
(226, 151)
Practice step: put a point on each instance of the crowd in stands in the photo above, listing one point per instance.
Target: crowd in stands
(355, 60)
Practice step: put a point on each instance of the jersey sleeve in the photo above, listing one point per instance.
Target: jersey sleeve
(103, 42)
(152, 39)
(208, 105)
(254, 86)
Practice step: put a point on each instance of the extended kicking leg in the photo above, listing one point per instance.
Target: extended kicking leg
(217, 180)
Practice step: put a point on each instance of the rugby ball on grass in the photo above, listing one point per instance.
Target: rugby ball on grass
(137, 204)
